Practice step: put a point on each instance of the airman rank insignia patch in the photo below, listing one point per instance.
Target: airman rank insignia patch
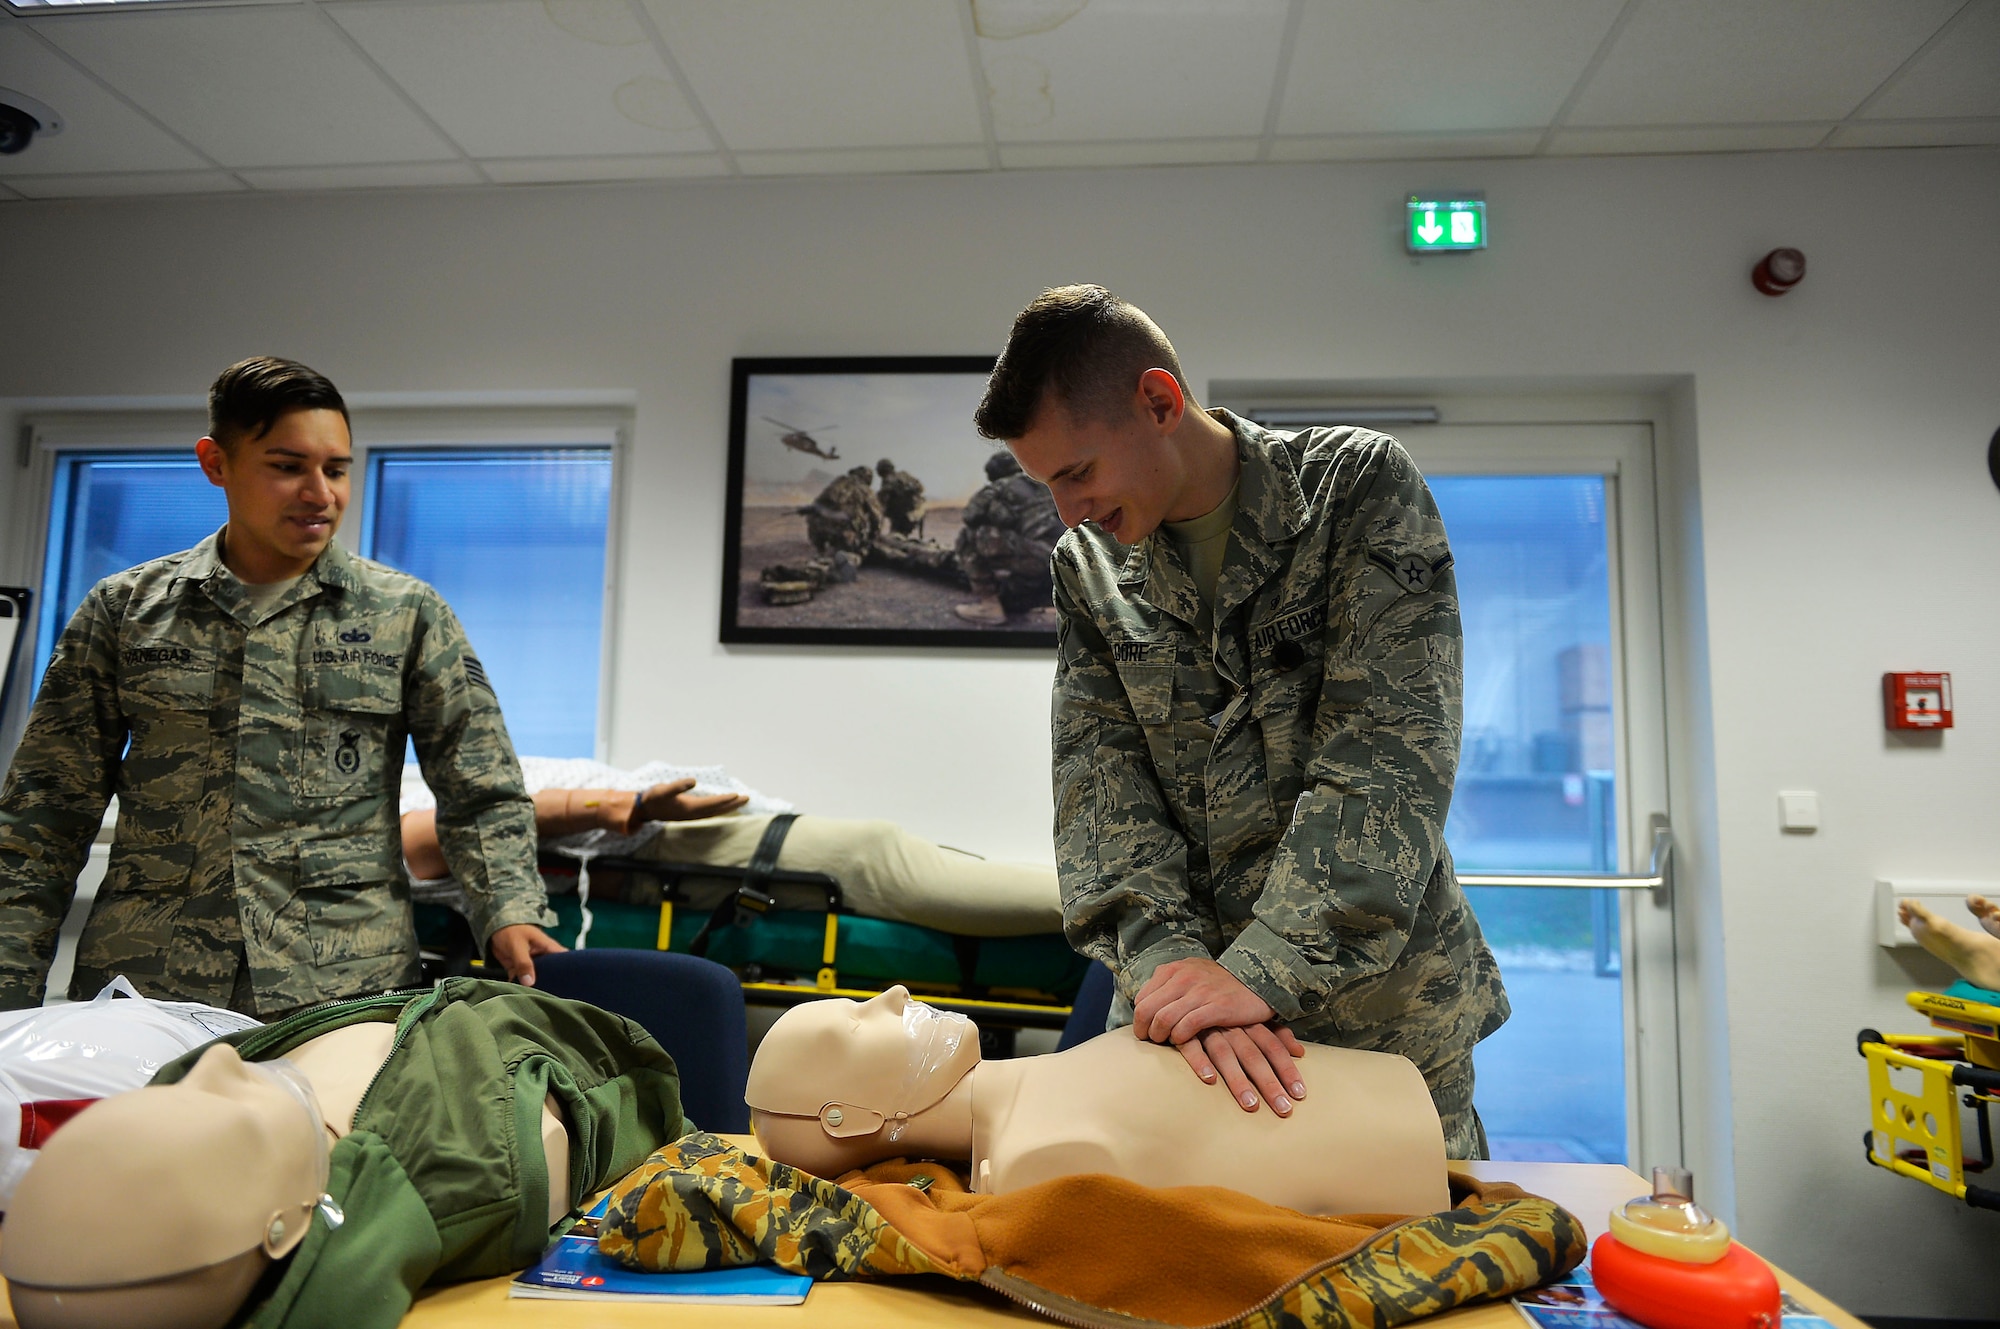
(476, 671)
(1411, 572)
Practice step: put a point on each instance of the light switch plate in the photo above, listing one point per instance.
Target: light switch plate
(1798, 810)
(1946, 899)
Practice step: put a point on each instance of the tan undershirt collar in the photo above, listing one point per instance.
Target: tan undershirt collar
(1202, 541)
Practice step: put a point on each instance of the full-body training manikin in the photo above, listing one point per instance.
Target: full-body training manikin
(839, 1085)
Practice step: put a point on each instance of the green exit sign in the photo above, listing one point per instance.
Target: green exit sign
(1445, 223)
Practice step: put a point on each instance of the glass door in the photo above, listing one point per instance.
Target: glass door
(1561, 775)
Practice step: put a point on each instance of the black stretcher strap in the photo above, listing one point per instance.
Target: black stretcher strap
(750, 897)
(765, 861)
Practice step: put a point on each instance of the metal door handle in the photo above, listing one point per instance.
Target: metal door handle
(1657, 871)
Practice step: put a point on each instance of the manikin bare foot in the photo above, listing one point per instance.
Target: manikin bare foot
(1985, 911)
(1975, 955)
(987, 612)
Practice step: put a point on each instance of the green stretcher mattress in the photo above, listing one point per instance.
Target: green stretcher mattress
(789, 943)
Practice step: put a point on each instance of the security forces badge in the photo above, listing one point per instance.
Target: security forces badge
(347, 757)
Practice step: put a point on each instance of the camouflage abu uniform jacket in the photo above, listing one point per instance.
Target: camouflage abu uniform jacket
(1275, 798)
(258, 799)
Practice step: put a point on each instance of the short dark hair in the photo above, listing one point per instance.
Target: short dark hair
(1080, 345)
(247, 398)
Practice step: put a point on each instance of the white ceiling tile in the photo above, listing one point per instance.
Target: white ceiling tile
(395, 175)
(775, 74)
(1363, 66)
(1131, 69)
(865, 161)
(1148, 152)
(1404, 147)
(523, 78)
(1726, 62)
(252, 87)
(1916, 134)
(100, 133)
(125, 185)
(554, 170)
(1685, 138)
(1960, 76)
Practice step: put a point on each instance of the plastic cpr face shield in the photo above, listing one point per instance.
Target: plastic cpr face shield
(859, 1066)
(166, 1184)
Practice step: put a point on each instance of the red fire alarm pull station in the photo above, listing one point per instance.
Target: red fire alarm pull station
(1917, 701)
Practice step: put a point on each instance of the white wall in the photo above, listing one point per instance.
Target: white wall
(1829, 467)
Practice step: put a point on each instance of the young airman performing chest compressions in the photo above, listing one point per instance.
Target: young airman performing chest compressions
(248, 701)
(1257, 717)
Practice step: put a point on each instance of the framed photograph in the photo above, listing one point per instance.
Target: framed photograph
(865, 510)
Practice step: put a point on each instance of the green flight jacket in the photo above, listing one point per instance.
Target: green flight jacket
(443, 1177)
(257, 760)
(1274, 796)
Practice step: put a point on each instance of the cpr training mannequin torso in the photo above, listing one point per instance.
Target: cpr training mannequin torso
(341, 1065)
(839, 1085)
(420, 1115)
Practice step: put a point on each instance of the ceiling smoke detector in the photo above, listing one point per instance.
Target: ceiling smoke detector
(1778, 271)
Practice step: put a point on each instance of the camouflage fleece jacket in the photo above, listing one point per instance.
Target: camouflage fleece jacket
(1274, 797)
(257, 761)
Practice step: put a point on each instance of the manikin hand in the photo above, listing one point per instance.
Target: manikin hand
(515, 947)
(672, 802)
(1222, 1028)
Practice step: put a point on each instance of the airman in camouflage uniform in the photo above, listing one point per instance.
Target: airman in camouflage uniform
(902, 499)
(846, 516)
(1257, 716)
(257, 799)
(1275, 798)
(1011, 526)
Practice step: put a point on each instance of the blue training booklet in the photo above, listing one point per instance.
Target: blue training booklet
(573, 1270)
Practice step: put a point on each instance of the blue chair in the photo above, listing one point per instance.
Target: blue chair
(692, 1007)
(1091, 1008)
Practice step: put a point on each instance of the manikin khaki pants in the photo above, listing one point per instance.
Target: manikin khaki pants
(884, 872)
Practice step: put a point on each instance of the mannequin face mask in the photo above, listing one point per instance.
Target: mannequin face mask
(213, 1178)
(862, 1066)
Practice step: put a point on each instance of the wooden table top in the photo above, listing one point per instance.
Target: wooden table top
(1588, 1190)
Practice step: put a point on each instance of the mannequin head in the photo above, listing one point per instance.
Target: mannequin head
(211, 1178)
(839, 1084)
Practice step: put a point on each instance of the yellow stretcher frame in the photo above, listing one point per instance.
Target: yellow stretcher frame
(826, 983)
(1927, 1123)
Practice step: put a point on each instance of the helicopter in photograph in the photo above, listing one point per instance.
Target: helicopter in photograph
(802, 440)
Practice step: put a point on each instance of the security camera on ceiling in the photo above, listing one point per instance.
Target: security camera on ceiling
(21, 118)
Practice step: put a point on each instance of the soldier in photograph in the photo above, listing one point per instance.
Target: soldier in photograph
(846, 517)
(1010, 526)
(902, 499)
(1256, 720)
(249, 700)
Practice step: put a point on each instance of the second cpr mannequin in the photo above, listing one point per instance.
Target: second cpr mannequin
(348, 1156)
(838, 1085)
